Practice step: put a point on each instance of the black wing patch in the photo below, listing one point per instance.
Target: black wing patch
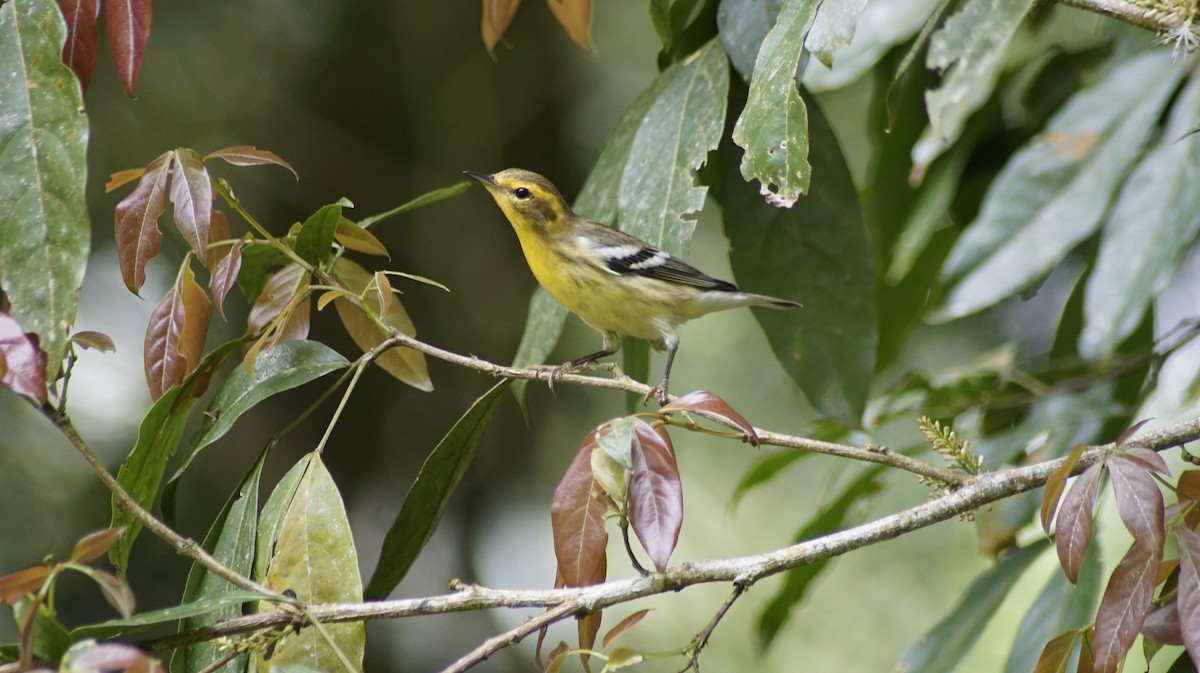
(657, 264)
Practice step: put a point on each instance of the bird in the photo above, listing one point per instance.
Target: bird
(616, 283)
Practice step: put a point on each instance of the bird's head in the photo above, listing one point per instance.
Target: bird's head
(529, 200)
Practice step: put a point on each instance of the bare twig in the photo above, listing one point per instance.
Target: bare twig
(510, 637)
(1131, 13)
(701, 640)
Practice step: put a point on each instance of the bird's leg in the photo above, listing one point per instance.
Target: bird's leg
(612, 344)
(659, 392)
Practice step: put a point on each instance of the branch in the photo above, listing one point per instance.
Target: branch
(1152, 18)
(977, 492)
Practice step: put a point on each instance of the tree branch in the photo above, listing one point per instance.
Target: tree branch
(1128, 12)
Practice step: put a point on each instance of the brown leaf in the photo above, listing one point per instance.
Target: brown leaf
(575, 16)
(589, 625)
(655, 494)
(405, 364)
(191, 192)
(1148, 459)
(577, 519)
(1124, 607)
(175, 334)
(1129, 432)
(121, 178)
(1055, 485)
(1087, 651)
(1056, 653)
(219, 240)
(383, 292)
(95, 341)
(83, 39)
(93, 545)
(354, 237)
(15, 585)
(111, 657)
(1189, 590)
(1074, 521)
(702, 400)
(24, 370)
(623, 626)
(1188, 491)
(543, 630)
(497, 14)
(1139, 502)
(1162, 625)
(249, 155)
(558, 657)
(128, 25)
(116, 591)
(225, 274)
(138, 236)
(280, 293)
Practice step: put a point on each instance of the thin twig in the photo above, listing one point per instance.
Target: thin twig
(510, 637)
(1128, 13)
(701, 640)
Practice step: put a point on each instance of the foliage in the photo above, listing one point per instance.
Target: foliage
(1014, 165)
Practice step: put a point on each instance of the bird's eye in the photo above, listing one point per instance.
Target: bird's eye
(522, 193)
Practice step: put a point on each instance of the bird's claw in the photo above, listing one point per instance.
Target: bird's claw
(558, 371)
(659, 393)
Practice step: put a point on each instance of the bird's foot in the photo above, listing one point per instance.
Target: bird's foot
(658, 392)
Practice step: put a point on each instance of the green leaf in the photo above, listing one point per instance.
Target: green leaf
(1053, 192)
(1145, 237)
(833, 28)
(658, 197)
(670, 18)
(51, 639)
(158, 438)
(882, 25)
(773, 126)
(259, 261)
(743, 24)
(314, 556)
(44, 231)
(427, 497)
(943, 647)
(145, 620)
(315, 239)
(419, 202)
(764, 470)
(832, 518)
(1059, 607)
(635, 356)
(271, 518)
(231, 540)
(817, 253)
(969, 50)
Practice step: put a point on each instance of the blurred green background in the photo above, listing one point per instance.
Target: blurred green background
(379, 102)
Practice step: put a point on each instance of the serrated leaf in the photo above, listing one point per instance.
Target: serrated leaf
(818, 253)
(22, 368)
(943, 647)
(45, 234)
(497, 14)
(797, 581)
(702, 400)
(1146, 233)
(773, 126)
(1139, 502)
(833, 28)
(968, 49)
(83, 38)
(1124, 607)
(138, 236)
(577, 519)
(659, 197)
(128, 25)
(147, 620)
(1073, 525)
(430, 492)
(316, 234)
(406, 364)
(655, 494)
(249, 155)
(1055, 485)
(1058, 607)
(1189, 590)
(314, 556)
(175, 334)
(1053, 192)
(354, 237)
(94, 545)
(191, 193)
(575, 17)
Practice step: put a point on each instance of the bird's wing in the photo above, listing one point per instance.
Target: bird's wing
(625, 254)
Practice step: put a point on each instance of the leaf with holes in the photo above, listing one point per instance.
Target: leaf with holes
(1124, 607)
(1055, 485)
(577, 519)
(1139, 502)
(138, 236)
(128, 25)
(655, 494)
(1074, 522)
(175, 333)
(249, 155)
(191, 193)
(702, 400)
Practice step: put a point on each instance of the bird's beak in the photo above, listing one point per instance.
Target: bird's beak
(485, 178)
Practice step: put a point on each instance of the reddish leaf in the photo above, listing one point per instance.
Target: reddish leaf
(1169, 568)
(1055, 485)
(277, 295)
(3, 366)
(1074, 522)
(1124, 607)
(655, 494)
(577, 519)
(83, 39)
(191, 192)
(138, 237)
(406, 364)
(219, 240)
(702, 400)
(558, 657)
(1056, 653)
(1148, 459)
(112, 657)
(1162, 625)
(623, 626)
(589, 625)
(1139, 502)
(94, 545)
(128, 24)
(1087, 652)
(1188, 491)
(121, 178)
(224, 274)
(24, 370)
(1128, 433)
(14, 586)
(95, 341)
(116, 591)
(545, 628)
(248, 155)
(1189, 590)
(175, 334)
(575, 16)
(497, 14)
